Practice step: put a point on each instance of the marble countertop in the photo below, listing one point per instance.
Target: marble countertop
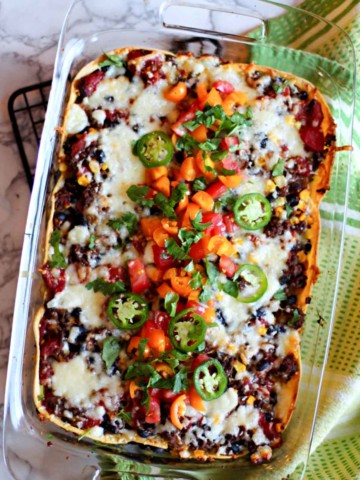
(29, 32)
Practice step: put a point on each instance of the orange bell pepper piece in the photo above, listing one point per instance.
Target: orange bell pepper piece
(201, 91)
(202, 163)
(134, 346)
(221, 246)
(213, 98)
(160, 236)
(177, 410)
(181, 285)
(190, 213)
(176, 93)
(162, 185)
(157, 172)
(170, 226)
(200, 133)
(204, 200)
(195, 400)
(230, 181)
(153, 273)
(232, 100)
(188, 169)
(164, 289)
(148, 225)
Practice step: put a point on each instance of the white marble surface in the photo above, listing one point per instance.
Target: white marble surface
(29, 32)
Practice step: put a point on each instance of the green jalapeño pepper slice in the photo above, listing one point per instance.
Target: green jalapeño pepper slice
(252, 211)
(154, 149)
(187, 330)
(252, 283)
(127, 311)
(210, 380)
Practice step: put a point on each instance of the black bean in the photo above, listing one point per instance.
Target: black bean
(76, 312)
(109, 98)
(262, 365)
(99, 155)
(221, 318)
(303, 95)
(263, 142)
(269, 417)
(292, 200)
(107, 425)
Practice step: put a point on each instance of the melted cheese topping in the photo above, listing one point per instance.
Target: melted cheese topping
(77, 296)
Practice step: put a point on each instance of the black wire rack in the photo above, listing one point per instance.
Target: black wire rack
(27, 108)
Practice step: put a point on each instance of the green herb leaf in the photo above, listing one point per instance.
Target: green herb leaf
(165, 205)
(206, 294)
(139, 369)
(226, 172)
(128, 220)
(295, 318)
(278, 168)
(188, 237)
(138, 193)
(49, 436)
(111, 60)
(219, 155)
(211, 271)
(199, 184)
(175, 250)
(197, 224)
(85, 434)
(279, 88)
(190, 266)
(231, 288)
(142, 345)
(289, 210)
(181, 381)
(110, 351)
(187, 143)
(210, 145)
(170, 303)
(107, 288)
(92, 242)
(126, 416)
(58, 259)
(179, 193)
(280, 295)
(196, 280)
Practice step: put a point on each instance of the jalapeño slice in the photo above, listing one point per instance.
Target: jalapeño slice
(252, 283)
(127, 311)
(252, 211)
(154, 149)
(210, 380)
(187, 330)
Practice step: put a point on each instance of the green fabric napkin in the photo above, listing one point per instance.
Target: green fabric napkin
(336, 447)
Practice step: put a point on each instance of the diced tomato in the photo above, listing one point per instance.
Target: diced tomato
(313, 137)
(227, 266)
(286, 92)
(199, 360)
(185, 117)
(230, 163)
(116, 274)
(54, 278)
(78, 146)
(198, 250)
(230, 224)
(223, 86)
(199, 309)
(147, 328)
(153, 412)
(217, 226)
(88, 84)
(216, 190)
(228, 142)
(139, 280)
(168, 395)
(161, 320)
(163, 260)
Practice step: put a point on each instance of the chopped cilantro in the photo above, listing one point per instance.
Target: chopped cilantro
(138, 193)
(110, 351)
(278, 168)
(107, 288)
(170, 303)
(126, 416)
(142, 345)
(58, 259)
(196, 280)
(111, 60)
(211, 271)
(175, 250)
(128, 220)
(206, 294)
(199, 184)
(231, 288)
(197, 223)
(280, 295)
(92, 242)
(289, 210)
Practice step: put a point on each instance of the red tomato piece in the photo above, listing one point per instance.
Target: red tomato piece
(230, 163)
(168, 395)
(163, 260)
(139, 280)
(198, 250)
(228, 142)
(147, 328)
(54, 278)
(199, 360)
(185, 117)
(153, 412)
(116, 274)
(199, 309)
(216, 190)
(230, 224)
(88, 84)
(161, 320)
(217, 226)
(313, 137)
(223, 86)
(227, 266)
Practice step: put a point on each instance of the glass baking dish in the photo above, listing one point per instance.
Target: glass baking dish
(233, 31)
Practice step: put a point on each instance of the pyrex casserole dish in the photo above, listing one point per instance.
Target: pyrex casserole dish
(74, 50)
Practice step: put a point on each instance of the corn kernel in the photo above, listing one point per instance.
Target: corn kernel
(239, 367)
(304, 194)
(217, 419)
(250, 400)
(261, 162)
(62, 167)
(298, 125)
(104, 166)
(243, 358)
(280, 181)
(278, 211)
(262, 330)
(273, 137)
(219, 296)
(279, 202)
(83, 181)
(232, 348)
(269, 186)
(290, 120)
(302, 217)
(94, 166)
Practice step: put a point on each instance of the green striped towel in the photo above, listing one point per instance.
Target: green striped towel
(336, 448)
